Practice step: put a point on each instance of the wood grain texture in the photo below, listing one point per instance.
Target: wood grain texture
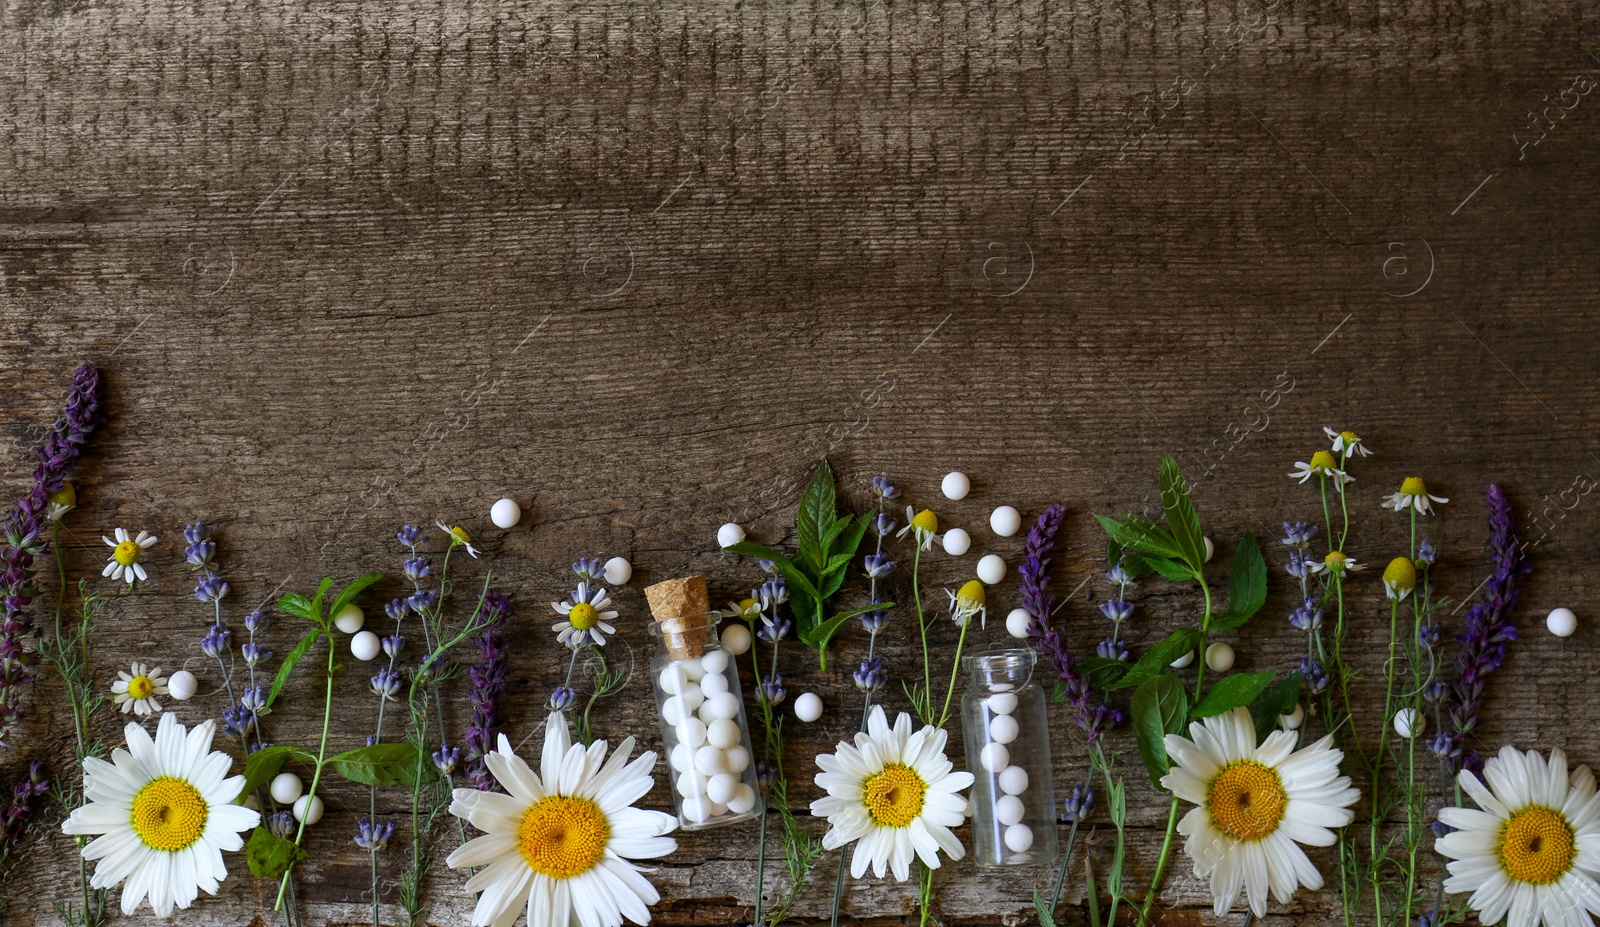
(641, 265)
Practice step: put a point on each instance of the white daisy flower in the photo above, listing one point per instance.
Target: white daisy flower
(1255, 806)
(459, 535)
(561, 844)
(162, 814)
(136, 691)
(896, 793)
(1321, 464)
(967, 602)
(924, 525)
(1413, 494)
(1531, 855)
(588, 619)
(125, 553)
(1347, 442)
(1336, 562)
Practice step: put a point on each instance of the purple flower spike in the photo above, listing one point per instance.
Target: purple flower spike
(1091, 713)
(488, 680)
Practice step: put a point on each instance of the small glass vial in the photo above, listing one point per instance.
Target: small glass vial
(1008, 754)
(703, 730)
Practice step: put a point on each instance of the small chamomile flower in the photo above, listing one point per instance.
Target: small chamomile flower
(61, 501)
(136, 691)
(125, 553)
(1413, 494)
(1399, 578)
(1347, 443)
(967, 602)
(745, 610)
(1322, 464)
(1336, 562)
(587, 618)
(923, 525)
(459, 536)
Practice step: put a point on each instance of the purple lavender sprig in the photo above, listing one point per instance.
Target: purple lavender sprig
(488, 680)
(1488, 628)
(24, 795)
(24, 537)
(1092, 713)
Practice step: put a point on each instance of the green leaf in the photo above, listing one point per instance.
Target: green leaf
(1158, 658)
(1230, 692)
(1175, 570)
(348, 593)
(1139, 535)
(270, 856)
(316, 603)
(1118, 803)
(1042, 907)
(835, 529)
(824, 632)
(1160, 707)
(1182, 518)
(1277, 699)
(1247, 585)
(262, 765)
(384, 764)
(289, 661)
(818, 508)
(1102, 672)
(798, 578)
(804, 609)
(297, 605)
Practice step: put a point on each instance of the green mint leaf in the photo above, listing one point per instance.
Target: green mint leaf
(297, 605)
(289, 661)
(1277, 699)
(384, 764)
(1175, 570)
(262, 765)
(316, 603)
(818, 508)
(1158, 658)
(1182, 518)
(270, 856)
(1160, 707)
(1101, 672)
(348, 593)
(798, 578)
(1247, 585)
(1142, 536)
(1231, 692)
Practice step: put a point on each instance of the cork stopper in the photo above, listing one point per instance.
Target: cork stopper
(680, 608)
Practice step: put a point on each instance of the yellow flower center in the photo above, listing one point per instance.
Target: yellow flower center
(749, 608)
(1336, 561)
(169, 814)
(1323, 461)
(561, 836)
(460, 534)
(1537, 845)
(925, 522)
(1401, 573)
(1349, 438)
(1247, 800)
(66, 496)
(1413, 486)
(894, 796)
(583, 616)
(970, 595)
(126, 553)
(140, 687)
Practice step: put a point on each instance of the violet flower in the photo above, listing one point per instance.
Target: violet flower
(1488, 628)
(24, 795)
(24, 537)
(1092, 713)
(488, 680)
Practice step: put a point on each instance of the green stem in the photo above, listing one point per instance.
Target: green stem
(1161, 863)
(955, 665)
(316, 771)
(926, 708)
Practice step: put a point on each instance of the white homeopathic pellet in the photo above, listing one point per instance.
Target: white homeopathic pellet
(308, 809)
(505, 513)
(1013, 780)
(365, 646)
(1019, 837)
(182, 685)
(956, 542)
(1002, 703)
(286, 787)
(1008, 810)
(955, 485)
(710, 761)
(722, 788)
(350, 619)
(1005, 521)
(723, 733)
(714, 663)
(1219, 657)
(995, 757)
(618, 571)
(744, 799)
(736, 639)
(992, 569)
(738, 759)
(1003, 729)
(808, 707)
(1407, 723)
(1210, 549)
(1561, 622)
(1017, 622)
(1183, 661)
(729, 535)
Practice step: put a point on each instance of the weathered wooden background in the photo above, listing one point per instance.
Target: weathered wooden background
(641, 265)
